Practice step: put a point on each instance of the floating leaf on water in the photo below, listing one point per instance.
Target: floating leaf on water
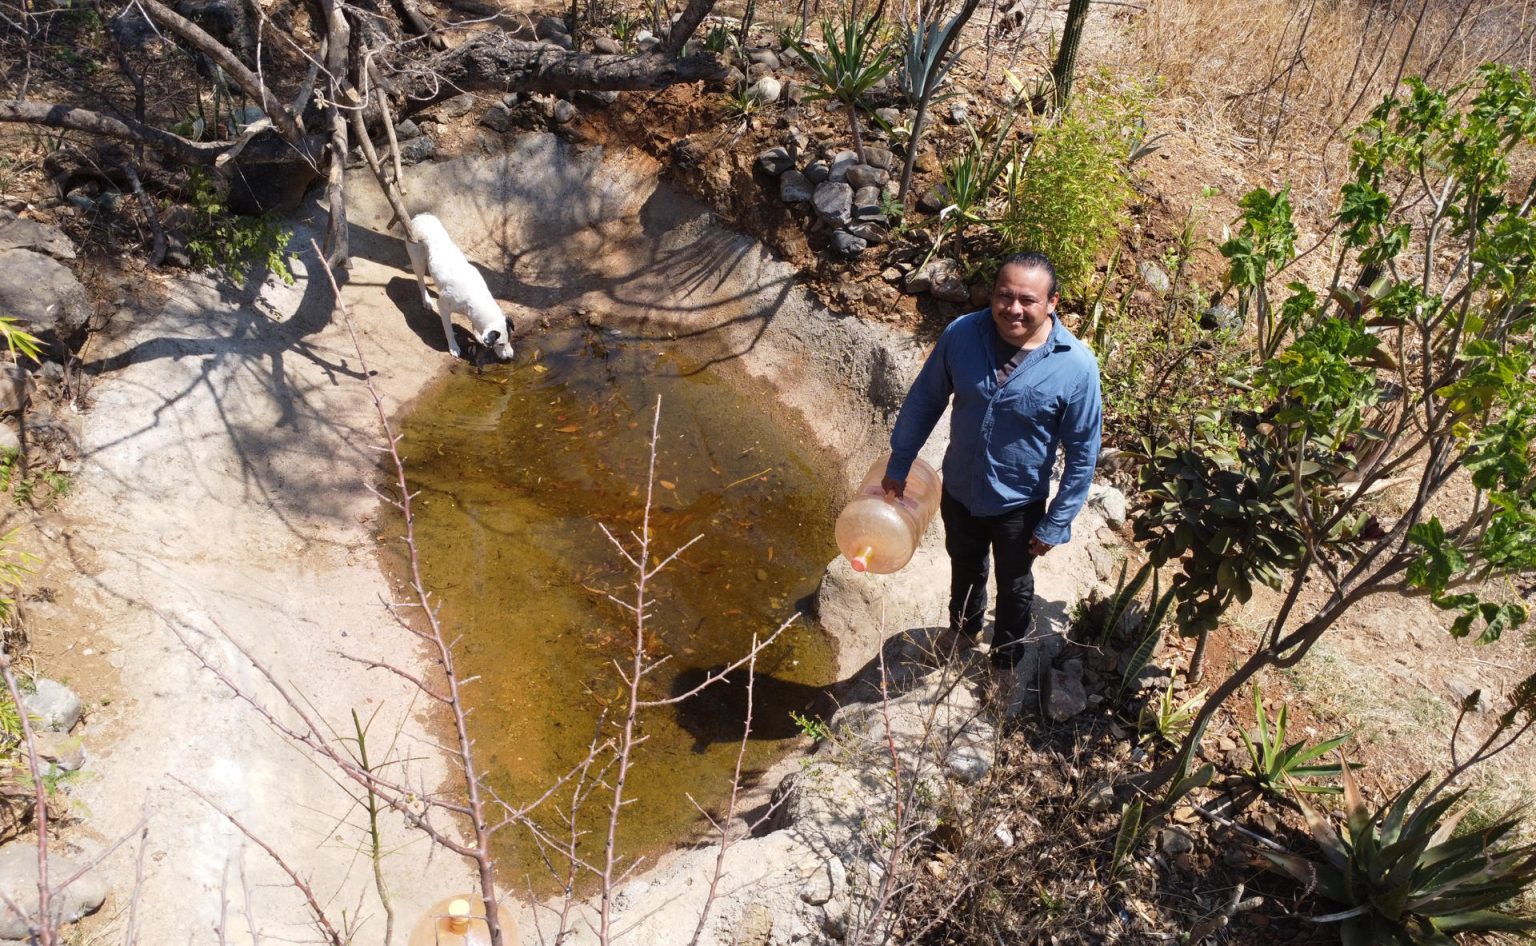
(567, 429)
(541, 368)
(667, 484)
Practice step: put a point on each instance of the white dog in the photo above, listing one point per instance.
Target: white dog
(460, 287)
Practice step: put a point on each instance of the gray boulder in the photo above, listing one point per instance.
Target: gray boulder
(15, 389)
(1110, 502)
(765, 57)
(563, 111)
(878, 157)
(866, 201)
(417, 150)
(794, 188)
(841, 162)
(21, 233)
(18, 886)
(10, 438)
(834, 203)
(607, 45)
(847, 245)
(817, 171)
(870, 232)
(1065, 695)
(765, 91)
(863, 175)
(53, 705)
(497, 118)
(794, 92)
(941, 279)
(456, 107)
(550, 28)
(775, 161)
(407, 130)
(42, 293)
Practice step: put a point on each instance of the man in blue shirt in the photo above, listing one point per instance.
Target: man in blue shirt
(1022, 387)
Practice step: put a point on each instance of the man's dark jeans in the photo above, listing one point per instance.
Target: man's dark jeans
(968, 539)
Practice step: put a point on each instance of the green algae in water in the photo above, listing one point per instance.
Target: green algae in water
(517, 468)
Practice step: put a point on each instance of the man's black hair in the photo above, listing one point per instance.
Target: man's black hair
(1032, 260)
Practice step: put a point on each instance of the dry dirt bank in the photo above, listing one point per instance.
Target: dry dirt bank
(223, 494)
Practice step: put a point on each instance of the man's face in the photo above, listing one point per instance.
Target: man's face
(1022, 304)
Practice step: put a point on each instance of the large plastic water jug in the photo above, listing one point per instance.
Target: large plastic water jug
(460, 921)
(879, 533)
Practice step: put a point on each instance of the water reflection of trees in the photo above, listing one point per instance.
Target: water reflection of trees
(719, 713)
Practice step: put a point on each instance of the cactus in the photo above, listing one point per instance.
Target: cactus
(1066, 56)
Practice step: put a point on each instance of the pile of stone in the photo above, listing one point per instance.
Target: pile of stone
(845, 193)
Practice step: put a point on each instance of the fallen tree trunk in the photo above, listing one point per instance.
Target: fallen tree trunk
(497, 63)
(268, 149)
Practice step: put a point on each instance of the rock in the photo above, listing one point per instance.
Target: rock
(497, 118)
(959, 111)
(599, 97)
(847, 245)
(891, 117)
(407, 130)
(563, 112)
(878, 157)
(1103, 562)
(646, 43)
(834, 922)
(765, 91)
(23, 234)
(1154, 277)
(825, 883)
(1100, 797)
(941, 279)
(456, 107)
(18, 885)
(1462, 691)
(1065, 695)
(797, 141)
(756, 926)
(775, 161)
(866, 201)
(794, 92)
(1175, 841)
(933, 200)
(765, 57)
(1110, 502)
(65, 752)
(841, 162)
(817, 172)
(1221, 317)
(55, 706)
(550, 27)
(834, 203)
(44, 294)
(794, 188)
(417, 150)
(608, 46)
(15, 389)
(734, 78)
(9, 438)
(968, 763)
(872, 233)
(758, 71)
(863, 175)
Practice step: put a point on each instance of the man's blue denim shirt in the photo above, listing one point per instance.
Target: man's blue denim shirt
(1003, 438)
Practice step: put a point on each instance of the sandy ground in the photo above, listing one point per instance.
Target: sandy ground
(223, 494)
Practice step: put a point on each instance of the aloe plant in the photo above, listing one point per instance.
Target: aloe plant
(1277, 766)
(1404, 876)
(855, 60)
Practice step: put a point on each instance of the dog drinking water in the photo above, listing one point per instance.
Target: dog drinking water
(460, 287)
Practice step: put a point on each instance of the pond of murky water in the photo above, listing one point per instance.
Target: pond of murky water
(518, 467)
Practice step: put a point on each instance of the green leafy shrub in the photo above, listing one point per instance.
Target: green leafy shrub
(1404, 876)
(1070, 201)
(857, 57)
(231, 244)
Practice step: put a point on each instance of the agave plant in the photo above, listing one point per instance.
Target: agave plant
(1276, 766)
(1403, 874)
(856, 59)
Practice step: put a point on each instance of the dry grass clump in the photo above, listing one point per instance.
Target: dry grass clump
(1292, 78)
